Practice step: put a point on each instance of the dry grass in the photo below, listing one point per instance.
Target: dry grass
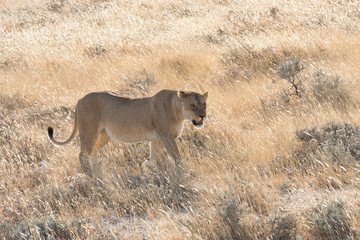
(266, 166)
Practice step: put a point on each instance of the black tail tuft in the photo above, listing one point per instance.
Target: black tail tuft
(50, 132)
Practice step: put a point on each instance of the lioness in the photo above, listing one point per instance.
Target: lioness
(100, 116)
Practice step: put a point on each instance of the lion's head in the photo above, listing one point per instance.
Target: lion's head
(194, 107)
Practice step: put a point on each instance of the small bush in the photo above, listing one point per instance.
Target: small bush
(139, 84)
(329, 88)
(44, 228)
(330, 221)
(226, 222)
(97, 50)
(12, 103)
(239, 218)
(43, 117)
(288, 69)
(284, 227)
(326, 153)
(230, 212)
(339, 142)
(56, 5)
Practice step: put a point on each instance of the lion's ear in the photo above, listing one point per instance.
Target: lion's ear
(182, 95)
(206, 95)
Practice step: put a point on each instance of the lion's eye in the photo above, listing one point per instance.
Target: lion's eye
(193, 106)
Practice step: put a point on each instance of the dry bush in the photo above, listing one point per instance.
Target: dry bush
(47, 228)
(279, 102)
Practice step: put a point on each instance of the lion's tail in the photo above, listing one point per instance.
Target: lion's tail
(75, 131)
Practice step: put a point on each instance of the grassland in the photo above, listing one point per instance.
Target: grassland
(269, 163)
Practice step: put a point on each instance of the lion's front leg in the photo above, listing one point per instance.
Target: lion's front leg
(172, 148)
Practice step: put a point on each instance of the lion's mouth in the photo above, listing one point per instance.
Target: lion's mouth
(198, 123)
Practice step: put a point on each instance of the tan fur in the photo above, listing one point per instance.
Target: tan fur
(101, 116)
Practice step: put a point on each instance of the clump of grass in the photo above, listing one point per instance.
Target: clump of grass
(71, 195)
(197, 140)
(279, 102)
(144, 192)
(179, 66)
(128, 192)
(43, 117)
(27, 153)
(244, 62)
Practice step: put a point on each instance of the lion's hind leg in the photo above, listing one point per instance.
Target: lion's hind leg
(90, 141)
(97, 163)
(156, 161)
(102, 140)
(85, 163)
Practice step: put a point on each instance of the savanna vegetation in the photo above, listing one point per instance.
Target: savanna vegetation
(278, 158)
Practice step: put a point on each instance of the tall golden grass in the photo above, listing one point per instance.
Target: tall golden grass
(251, 175)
